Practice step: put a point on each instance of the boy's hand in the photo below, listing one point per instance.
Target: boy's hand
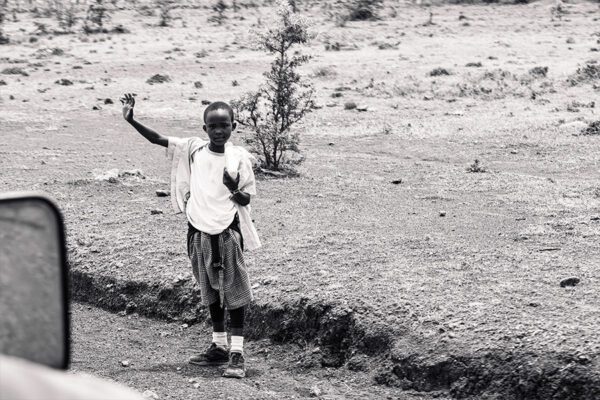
(231, 184)
(128, 102)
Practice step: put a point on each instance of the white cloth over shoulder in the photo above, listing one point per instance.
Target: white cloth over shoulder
(181, 150)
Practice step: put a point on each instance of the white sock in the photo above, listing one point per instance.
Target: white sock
(237, 344)
(220, 338)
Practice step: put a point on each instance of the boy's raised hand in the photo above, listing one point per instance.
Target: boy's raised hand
(128, 102)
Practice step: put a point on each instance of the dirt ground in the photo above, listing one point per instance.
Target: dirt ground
(155, 357)
(446, 261)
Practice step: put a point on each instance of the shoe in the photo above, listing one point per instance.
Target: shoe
(215, 355)
(236, 367)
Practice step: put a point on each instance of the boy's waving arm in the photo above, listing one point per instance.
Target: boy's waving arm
(128, 102)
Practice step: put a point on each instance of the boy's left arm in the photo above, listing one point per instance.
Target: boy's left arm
(240, 197)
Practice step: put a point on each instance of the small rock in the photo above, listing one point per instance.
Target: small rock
(206, 102)
(150, 395)
(184, 326)
(64, 82)
(133, 172)
(108, 101)
(256, 286)
(156, 211)
(397, 181)
(96, 108)
(570, 40)
(442, 213)
(196, 385)
(109, 176)
(125, 363)
(158, 78)
(349, 105)
(315, 391)
(572, 281)
(331, 104)
(198, 85)
(362, 107)
(163, 193)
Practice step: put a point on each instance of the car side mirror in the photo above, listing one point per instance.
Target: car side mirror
(34, 298)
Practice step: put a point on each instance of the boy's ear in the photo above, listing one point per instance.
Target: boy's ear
(233, 126)
(204, 128)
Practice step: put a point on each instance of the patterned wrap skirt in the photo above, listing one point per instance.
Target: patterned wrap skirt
(219, 268)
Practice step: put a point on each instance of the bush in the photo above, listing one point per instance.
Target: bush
(592, 129)
(590, 72)
(96, 17)
(66, 13)
(219, 8)
(283, 100)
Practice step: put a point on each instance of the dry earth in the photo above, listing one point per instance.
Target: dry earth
(447, 280)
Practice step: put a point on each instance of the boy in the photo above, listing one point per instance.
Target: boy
(212, 182)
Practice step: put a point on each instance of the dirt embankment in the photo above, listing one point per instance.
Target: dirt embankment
(335, 336)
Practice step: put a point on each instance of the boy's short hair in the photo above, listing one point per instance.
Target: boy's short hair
(219, 105)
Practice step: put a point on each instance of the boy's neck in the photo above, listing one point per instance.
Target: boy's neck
(217, 149)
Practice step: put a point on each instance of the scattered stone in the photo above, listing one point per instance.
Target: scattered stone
(125, 363)
(206, 102)
(64, 82)
(442, 213)
(439, 72)
(158, 78)
(14, 71)
(315, 391)
(109, 176)
(96, 108)
(198, 85)
(570, 40)
(572, 281)
(331, 104)
(133, 172)
(336, 94)
(477, 64)
(2, 82)
(150, 395)
(362, 107)
(397, 181)
(108, 101)
(349, 105)
(476, 167)
(163, 193)
(156, 211)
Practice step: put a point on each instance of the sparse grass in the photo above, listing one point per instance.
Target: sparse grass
(588, 73)
(592, 129)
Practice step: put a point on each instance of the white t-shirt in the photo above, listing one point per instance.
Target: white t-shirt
(209, 208)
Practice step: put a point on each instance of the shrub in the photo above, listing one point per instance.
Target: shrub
(96, 17)
(592, 129)
(439, 72)
(219, 8)
(590, 72)
(66, 14)
(476, 167)
(363, 10)
(3, 14)
(164, 12)
(283, 100)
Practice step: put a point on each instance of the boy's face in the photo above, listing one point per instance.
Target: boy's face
(218, 125)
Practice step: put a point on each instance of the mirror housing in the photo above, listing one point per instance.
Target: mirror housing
(34, 280)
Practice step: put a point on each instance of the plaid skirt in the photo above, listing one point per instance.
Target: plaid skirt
(220, 270)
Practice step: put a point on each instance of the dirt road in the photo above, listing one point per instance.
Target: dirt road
(156, 354)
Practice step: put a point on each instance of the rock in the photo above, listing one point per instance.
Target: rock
(150, 395)
(570, 40)
(163, 193)
(198, 85)
(442, 213)
(206, 102)
(158, 78)
(397, 181)
(572, 281)
(64, 82)
(96, 108)
(109, 176)
(133, 172)
(315, 391)
(349, 105)
(362, 107)
(331, 104)
(156, 211)
(108, 101)
(125, 363)
(573, 127)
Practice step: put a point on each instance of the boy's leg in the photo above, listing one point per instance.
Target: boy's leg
(217, 353)
(236, 367)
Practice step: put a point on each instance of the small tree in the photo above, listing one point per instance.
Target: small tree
(66, 13)
(283, 99)
(219, 7)
(97, 15)
(3, 16)
(164, 7)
